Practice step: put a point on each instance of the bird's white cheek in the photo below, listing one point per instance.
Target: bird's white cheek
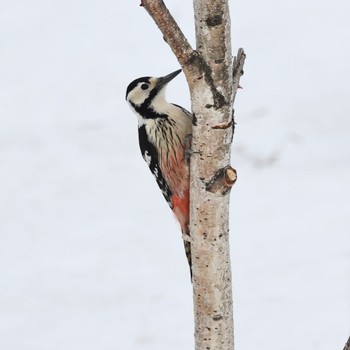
(137, 97)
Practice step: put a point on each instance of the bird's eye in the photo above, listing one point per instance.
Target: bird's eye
(144, 86)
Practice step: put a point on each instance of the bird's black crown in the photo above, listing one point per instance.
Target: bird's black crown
(134, 83)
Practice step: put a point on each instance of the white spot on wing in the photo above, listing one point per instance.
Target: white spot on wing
(155, 172)
(148, 158)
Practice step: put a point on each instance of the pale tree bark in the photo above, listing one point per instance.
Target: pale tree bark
(213, 80)
(347, 345)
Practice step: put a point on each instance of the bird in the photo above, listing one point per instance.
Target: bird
(164, 131)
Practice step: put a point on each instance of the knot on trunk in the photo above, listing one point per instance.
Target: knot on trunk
(222, 181)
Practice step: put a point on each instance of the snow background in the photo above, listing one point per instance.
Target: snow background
(90, 256)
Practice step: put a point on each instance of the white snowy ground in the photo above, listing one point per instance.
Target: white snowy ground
(90, 256)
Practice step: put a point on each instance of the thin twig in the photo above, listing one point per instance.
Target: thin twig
(238, 63)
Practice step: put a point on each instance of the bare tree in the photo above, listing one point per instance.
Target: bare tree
(213, 78)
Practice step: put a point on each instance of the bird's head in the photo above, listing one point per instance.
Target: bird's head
(144, 92)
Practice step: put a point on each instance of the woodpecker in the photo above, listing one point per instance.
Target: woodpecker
(164, 133)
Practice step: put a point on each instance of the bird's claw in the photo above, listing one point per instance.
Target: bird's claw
(186, 238)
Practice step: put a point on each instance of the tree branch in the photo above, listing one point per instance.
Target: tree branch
(222, 181)
(172, 34)
(237, 72)
(347, 345)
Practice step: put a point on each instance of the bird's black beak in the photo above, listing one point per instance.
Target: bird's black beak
(165, 80)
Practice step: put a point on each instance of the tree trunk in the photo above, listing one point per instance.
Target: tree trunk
(212, 105)
(213, 81)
